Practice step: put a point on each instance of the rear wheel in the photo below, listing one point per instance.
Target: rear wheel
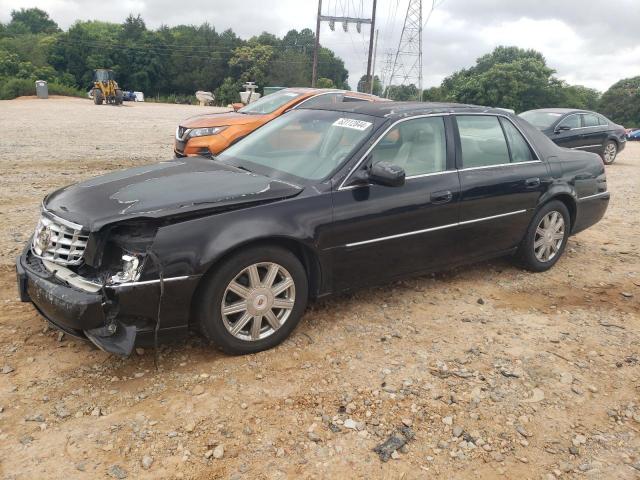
(98, 97)
(610, 152)
(253, 301)
(546, 237)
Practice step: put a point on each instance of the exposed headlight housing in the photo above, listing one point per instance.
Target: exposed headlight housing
(205, 131)
(131, 270)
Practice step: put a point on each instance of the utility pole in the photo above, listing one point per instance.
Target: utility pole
(373, 68)
(373, 26)
(345, 20)
(314, 73)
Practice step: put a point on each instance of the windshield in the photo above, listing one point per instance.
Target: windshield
(541, 120)
(102, 75)
(270, 103)
(302, 144)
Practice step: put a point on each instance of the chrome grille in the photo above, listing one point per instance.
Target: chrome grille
(59, 241)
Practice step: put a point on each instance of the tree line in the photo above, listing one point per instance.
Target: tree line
(519, 79)
(167, 61)
(177, 61)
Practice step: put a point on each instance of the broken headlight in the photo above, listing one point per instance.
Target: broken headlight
(203, 132)
(130, 269)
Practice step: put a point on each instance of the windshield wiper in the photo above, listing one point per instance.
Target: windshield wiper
(243, 168)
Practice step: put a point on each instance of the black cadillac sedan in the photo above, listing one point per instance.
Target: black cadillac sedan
(580, 130)
(318, 201)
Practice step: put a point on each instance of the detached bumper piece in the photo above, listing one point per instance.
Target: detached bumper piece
(119, 342)
(80, 314)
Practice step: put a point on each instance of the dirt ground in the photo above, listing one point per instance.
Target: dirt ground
(497, 372)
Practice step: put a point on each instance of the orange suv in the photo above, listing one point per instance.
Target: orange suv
(212, 133)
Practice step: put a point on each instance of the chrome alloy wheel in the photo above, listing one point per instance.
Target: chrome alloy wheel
(610, 152)
(549, 236)
(258, 301)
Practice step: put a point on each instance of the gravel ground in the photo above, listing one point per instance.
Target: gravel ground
(483, 372)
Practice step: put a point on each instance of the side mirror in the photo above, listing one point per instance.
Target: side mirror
(387, 174)
(562, 128)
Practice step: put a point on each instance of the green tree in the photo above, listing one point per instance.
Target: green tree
(325, 83)
(402, 93)
(435, 94)
(621, 103)
(250, 63)
(509, 77)
(363, 84)
(228, 92)
(34, 20)
(576, 96)
(168, 61)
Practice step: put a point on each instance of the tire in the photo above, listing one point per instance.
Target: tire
(530, 252)
(609, 152)
(217, 292)
(98, 98)
(119, 97)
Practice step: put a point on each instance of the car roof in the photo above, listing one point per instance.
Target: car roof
(316, 91)
(559, 110)
(405, 109)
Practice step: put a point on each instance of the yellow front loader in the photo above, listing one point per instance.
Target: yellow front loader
(105, 88)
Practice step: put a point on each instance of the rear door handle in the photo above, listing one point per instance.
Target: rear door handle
(444, 196)
(532, 182)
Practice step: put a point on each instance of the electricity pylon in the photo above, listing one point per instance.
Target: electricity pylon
(407, 64)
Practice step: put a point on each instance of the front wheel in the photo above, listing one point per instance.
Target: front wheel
(610, 152)
(98, 97)
(253, 300)
(546, 237)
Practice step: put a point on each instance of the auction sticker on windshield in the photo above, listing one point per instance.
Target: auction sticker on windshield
(351, 123)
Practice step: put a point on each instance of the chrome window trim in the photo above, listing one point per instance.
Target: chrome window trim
(515, 164)
(351, 187)
(374, 144)
(582, 128)
(596, 195)
(411, 177)
(432, 229)
(441, 114)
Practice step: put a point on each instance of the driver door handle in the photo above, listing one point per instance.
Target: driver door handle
(443, 196)
(532, 182)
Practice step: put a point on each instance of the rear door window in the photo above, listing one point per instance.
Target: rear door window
(590, 120)
(482, 141)
(520, 149)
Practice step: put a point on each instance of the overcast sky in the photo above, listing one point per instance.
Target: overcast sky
(589, 42)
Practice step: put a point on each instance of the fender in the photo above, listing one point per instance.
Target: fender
(564, 192)
(558, 189)
(192, 247)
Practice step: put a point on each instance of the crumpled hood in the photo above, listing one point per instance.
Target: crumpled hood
(163, 190)
(221, 119)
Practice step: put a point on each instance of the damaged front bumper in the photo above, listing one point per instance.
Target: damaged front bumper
(109, 317)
